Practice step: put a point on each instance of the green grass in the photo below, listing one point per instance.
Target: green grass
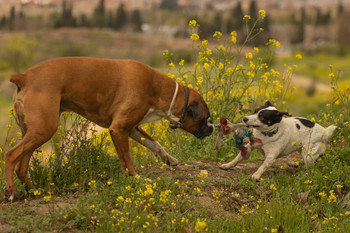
(317, 66)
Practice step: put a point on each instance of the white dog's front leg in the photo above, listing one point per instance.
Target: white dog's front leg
(270, 159)
(233, 163)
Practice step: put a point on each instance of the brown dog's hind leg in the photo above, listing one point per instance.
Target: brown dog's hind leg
(38, 122)
(146, 140)
(20, 155)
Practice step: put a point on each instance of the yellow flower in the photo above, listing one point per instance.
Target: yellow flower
(120, 198)
(234, 37)
(339, 186)
(249, 55)
(299, 56)
(256, 49)
(165, 52)
(222, 48)
(194, 37)
(246, 17)
(182, 62)
(47, 198)
(221, 66)
(200, 225)
(171, 64)
(262, 13)
(204, 43)
(206, 66)
(217, 34)
(331, 75)
(274, 230)
(192, 23)
(37, 193)
(272, 187)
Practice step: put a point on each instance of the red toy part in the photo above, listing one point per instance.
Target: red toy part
(255, 140)
(223, 123)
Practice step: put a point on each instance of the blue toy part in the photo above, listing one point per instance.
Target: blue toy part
(239, 140)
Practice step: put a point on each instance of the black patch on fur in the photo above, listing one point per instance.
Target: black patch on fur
(18, 89)
(298, 126)
(267, 104)
(270, 117)
(307, 123)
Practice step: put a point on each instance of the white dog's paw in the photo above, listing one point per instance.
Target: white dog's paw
(256, 177)
(225, 166)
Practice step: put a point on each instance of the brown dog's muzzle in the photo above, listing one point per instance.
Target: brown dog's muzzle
(206, 129)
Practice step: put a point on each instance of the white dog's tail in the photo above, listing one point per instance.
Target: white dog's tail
(329, 132)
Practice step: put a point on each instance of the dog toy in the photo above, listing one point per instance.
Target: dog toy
(244, 139)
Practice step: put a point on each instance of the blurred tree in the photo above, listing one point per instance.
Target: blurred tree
(253, 12)
(169, 5)
(300, 26)
(217, 23)
(3, 22)
(66, 18)
(11, 21)
(99, 17)
(121, 19)
(340, 8)
(235, 21)
(322, 19)
(344, 29)
(136, 20)
(19, 51)
(263, 37)
(84, 21)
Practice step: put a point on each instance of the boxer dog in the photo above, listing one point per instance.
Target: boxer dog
(116, 94)
(281, 136)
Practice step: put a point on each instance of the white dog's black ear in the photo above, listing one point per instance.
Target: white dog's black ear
(196, 111)
(268, 104)
(285, 113)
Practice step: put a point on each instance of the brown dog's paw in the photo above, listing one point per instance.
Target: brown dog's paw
(8, 197)
(172, 161)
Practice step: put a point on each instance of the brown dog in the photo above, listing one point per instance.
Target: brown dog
(115, 94)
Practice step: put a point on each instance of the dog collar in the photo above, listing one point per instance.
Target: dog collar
(178, 124)
(270, 134)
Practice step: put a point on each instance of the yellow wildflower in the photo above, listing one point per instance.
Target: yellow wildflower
(299, 56)
(193, 23)
(217, 34)
(234, 37)
(194, 37)
(246, 17)
(262, 13)
(200, 225)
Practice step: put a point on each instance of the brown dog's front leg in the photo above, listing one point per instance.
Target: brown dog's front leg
(120, 138)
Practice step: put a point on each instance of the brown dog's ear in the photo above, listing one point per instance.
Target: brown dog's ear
(196, 111)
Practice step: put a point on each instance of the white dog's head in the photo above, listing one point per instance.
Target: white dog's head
(265, 118)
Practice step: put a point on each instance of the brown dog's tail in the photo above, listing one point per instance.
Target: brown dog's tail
(18, 79)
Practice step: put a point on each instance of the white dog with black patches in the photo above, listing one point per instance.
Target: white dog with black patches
(281, 136)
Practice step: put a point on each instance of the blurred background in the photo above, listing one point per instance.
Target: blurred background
(35, 30)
